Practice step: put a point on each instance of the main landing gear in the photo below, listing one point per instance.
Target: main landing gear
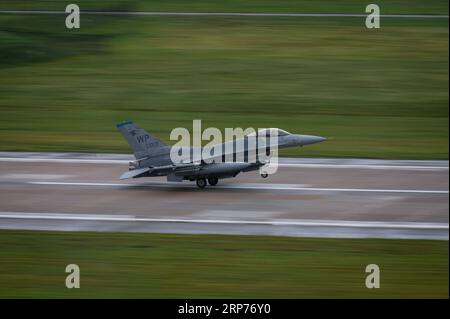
(201, 182)
(213, 181)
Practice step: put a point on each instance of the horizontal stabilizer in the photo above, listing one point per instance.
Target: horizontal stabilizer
(135, 173)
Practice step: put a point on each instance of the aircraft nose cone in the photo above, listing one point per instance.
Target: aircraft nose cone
(310, 139)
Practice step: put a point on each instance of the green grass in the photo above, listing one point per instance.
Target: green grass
(375, 94)
(325, 6)
(33, 264)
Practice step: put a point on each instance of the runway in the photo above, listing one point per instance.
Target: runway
(307, 197)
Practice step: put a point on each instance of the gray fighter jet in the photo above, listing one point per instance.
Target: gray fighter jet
(153, 157)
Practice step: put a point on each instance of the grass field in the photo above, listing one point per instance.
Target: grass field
(280, 6)
(374, 93)
(33, 264)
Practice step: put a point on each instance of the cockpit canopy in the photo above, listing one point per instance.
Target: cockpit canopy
(267, 132)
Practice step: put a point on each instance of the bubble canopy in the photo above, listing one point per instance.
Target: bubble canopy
(270, 132)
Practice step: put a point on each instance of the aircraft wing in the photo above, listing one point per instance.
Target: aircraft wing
(160, 170)
(190, 169)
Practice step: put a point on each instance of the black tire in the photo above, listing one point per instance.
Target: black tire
(213, 181)
(264, 175)
(201, 183)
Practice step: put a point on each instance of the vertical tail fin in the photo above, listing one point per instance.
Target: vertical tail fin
(142, 143)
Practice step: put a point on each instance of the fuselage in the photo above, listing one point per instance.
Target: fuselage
(233, 157)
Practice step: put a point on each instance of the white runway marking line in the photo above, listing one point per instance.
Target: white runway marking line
(357, 166)
(35, 176)
(231, 14)
(275, 222)
(252, 186)
(63, 160)
(125, 162)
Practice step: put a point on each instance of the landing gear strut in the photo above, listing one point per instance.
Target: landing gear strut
(201, 183)
(213, 181)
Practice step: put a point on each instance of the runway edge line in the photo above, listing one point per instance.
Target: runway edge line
(298, 228)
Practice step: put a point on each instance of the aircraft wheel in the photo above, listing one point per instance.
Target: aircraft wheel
(264, 175)
(201, 183)
(213, 181)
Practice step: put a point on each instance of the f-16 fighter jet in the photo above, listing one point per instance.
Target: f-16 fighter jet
(206, 165)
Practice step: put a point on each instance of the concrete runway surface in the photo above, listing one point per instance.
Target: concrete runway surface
(307, 197)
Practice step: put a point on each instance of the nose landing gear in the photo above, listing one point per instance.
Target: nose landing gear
(264, 175)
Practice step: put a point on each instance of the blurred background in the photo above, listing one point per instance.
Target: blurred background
(379, 93)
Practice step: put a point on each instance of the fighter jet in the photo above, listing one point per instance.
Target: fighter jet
(153, 157)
